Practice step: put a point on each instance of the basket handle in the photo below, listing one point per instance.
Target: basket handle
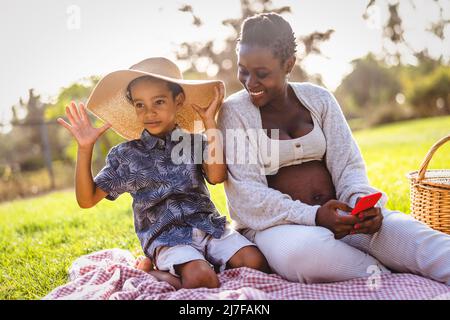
(424, 165)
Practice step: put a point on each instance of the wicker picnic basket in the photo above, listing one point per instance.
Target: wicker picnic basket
(430, 193)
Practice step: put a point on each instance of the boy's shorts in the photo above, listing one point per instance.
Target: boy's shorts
(204, 247)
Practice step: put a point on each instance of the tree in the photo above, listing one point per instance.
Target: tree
(394, 87)
(431, 95)
(79, 92)
(222, 65)
(370, 84)
(31, 133)
(396, 46)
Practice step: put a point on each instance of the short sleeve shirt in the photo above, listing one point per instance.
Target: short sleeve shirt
(165, 178)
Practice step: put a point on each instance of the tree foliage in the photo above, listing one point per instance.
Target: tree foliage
(202, 57)
(370, 83)
(397, 47)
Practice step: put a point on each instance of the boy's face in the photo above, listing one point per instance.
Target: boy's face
(155, 106)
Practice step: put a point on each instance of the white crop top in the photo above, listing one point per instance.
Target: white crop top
(309, 147)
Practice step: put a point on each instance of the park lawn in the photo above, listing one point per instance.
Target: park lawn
(41, 237)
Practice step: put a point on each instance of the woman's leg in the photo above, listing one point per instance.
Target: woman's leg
(404, 244)
(310, 254)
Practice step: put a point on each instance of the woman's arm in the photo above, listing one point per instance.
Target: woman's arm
(343, 157)
(87, 193)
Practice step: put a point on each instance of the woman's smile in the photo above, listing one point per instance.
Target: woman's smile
(256, 93)
(258, 97)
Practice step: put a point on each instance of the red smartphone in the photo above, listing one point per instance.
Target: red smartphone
(366, 202)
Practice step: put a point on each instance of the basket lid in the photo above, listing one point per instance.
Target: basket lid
(435, 177)
(438, 177)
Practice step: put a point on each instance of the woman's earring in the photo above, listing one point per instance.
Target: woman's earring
(288, 75)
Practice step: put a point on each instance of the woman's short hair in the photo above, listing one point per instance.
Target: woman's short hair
(269, 30)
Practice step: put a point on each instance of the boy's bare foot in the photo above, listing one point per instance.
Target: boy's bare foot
(143, 263)
(167, 277)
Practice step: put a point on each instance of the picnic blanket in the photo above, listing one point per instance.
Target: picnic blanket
(110, 274)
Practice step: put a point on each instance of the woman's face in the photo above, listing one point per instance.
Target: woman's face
(262, 74)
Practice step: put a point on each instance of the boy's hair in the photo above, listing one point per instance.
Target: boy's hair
(269, 30)
(175, 88)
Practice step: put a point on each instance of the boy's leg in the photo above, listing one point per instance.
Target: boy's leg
(233, 250)
(187, 263)
(407, 245)
(197, 274)
(249, 257)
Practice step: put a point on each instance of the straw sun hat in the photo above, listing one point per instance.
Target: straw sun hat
(109, 103)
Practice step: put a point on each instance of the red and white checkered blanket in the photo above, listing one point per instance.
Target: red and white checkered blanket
(110, 274)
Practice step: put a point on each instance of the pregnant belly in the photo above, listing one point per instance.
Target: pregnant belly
(310, 182)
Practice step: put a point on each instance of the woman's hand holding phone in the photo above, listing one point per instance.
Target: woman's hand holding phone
(328, 217)
(364, 218)
(370, 217)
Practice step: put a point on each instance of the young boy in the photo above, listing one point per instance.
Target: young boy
(178, 226)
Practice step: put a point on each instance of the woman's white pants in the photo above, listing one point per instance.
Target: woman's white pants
(311, 254)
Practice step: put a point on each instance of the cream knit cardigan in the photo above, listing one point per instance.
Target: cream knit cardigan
(251, 203)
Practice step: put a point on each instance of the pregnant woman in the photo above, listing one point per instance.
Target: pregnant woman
(296, 209)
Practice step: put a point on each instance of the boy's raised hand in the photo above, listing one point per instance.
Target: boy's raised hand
(207, 114)
(80, 126)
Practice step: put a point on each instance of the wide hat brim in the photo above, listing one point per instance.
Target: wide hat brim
(109, 103)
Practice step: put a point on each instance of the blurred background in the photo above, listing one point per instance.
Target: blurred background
(386, 61)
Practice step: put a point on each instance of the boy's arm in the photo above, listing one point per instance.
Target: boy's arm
(88, 194)
(214, 166)
(86, 135)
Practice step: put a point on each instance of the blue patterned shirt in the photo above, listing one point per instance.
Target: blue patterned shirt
(169, 199)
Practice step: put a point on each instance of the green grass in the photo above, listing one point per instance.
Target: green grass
(392, 151)
(42, 236)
